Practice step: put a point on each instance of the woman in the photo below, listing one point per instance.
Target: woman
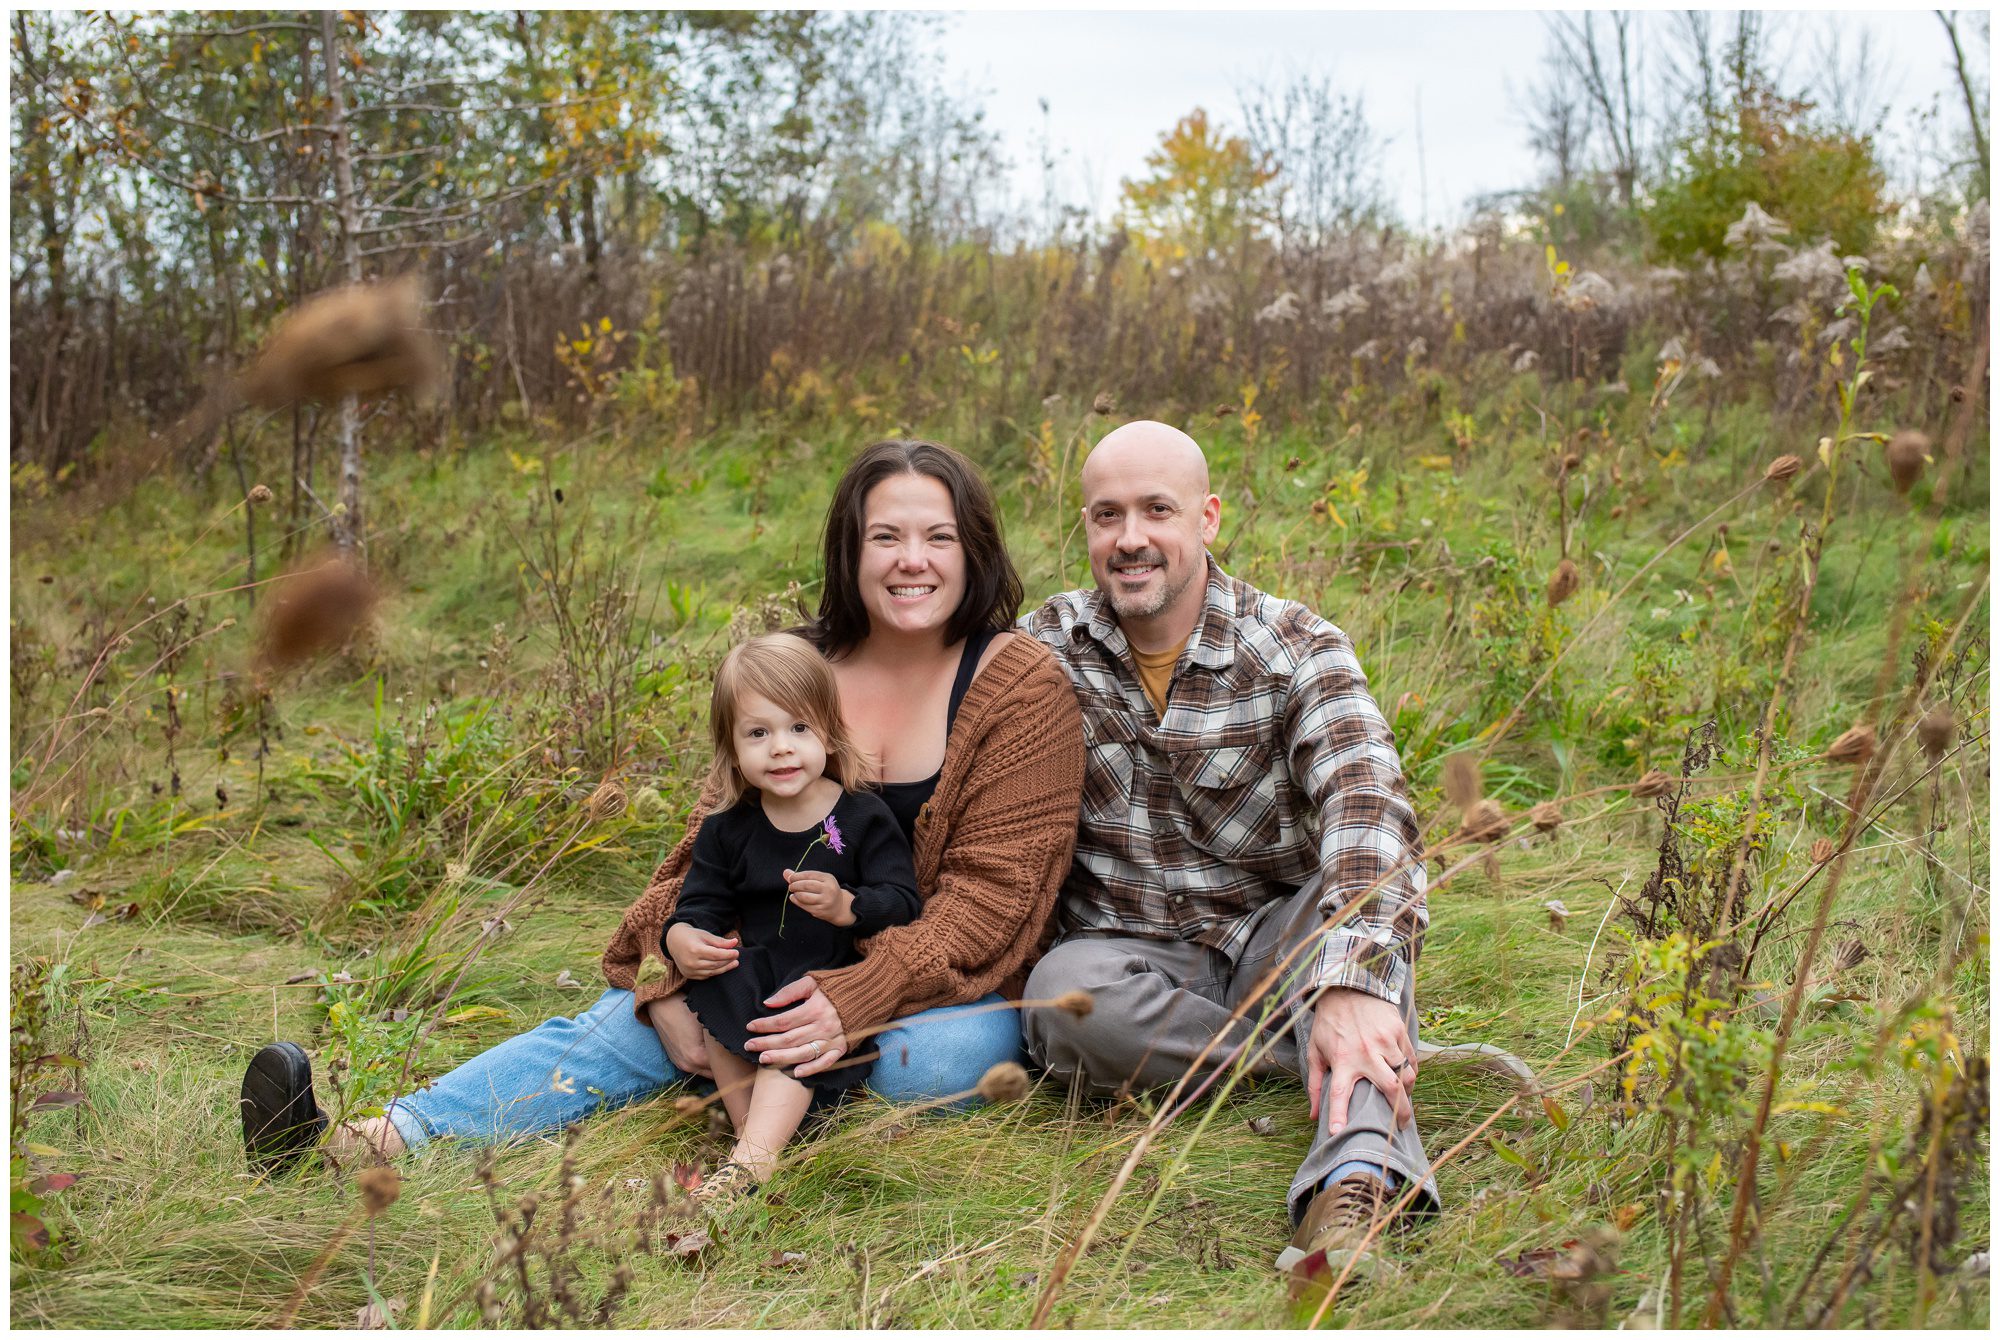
(976, 732)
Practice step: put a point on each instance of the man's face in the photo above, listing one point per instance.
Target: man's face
(1148, 524)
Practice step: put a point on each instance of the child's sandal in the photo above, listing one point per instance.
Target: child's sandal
(724, 1187)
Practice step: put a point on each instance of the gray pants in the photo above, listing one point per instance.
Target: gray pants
(1159, 1003)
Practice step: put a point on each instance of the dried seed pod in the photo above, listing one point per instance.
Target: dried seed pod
(1822, 851)
(1935, 730)
(1461, 782)
(1617, 510)
(1571, 462)
(1546, 817)
(1486, 821)
(1853, 745)
(380, 1186)
(1558, 914)
(1654, 783)
(1852, 954)
(1004, 1083)
(606, 802)
(315, 610)
(1079, 1003)
(1563, 582)
(1908, 451)
(1103, 404)
(1778, 471)
(259, 494)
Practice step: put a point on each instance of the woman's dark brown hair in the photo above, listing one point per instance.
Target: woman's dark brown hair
(993, 591)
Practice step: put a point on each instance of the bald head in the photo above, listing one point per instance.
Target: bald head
(1156, 449)
(1149, 518)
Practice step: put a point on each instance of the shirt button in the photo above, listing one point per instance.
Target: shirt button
(1179, 898)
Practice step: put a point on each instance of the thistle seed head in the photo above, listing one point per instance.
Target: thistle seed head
(1486, 821)
(606, 802)
(1853, 745)
(1104, 403)
(1546, 817)
(1563, 582)
(1078, 1003)
(1852, 954)
(1654, 783)
(1822, 850)
(380, 1186)
(1908, 451)
(1935, 731)
(1006, 1082)
(1778, 471)
(1461, 782)
(259, 495)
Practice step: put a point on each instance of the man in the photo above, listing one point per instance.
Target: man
(1246, 847)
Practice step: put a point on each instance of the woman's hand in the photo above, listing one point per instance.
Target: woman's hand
(681, 1034)
(794, 1033)
(698, 954)
(820, 894)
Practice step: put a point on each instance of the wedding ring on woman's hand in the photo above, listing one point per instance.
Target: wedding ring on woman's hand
(817, 1047)
(1406, 1062)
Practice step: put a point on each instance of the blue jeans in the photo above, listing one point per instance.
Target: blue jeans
(567, 1069)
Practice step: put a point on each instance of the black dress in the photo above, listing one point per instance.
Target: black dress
(736, 883)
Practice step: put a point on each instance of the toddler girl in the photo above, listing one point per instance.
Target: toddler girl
(787, 871)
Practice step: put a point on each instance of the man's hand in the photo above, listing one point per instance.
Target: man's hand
(1356, 1036)
(820, 894)
(681, 1034)
(808, 1036)
(697, 953)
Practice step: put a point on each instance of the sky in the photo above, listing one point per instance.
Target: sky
(1435, 86)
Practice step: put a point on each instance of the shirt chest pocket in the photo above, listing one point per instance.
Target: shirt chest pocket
(1110, 770)
(1229, 796)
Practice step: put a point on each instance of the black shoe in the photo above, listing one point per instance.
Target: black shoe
(281, 1122)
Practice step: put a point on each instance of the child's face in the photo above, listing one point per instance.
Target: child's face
(778, 753)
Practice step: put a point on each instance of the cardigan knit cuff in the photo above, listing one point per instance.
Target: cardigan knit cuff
(865, 994)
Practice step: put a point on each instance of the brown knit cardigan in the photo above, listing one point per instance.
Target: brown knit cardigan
(993, 846)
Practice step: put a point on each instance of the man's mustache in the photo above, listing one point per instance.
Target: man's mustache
(1139, 558)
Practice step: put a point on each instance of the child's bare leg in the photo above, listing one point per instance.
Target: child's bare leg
(733, 1076)
(777, 1105)
(366, 1138)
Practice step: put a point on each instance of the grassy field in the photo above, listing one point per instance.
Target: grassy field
(345, 888)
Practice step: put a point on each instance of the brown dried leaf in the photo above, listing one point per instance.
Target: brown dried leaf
(372, 1318)
(1262, 1125)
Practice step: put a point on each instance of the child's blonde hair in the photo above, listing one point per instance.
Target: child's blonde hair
(784, 668)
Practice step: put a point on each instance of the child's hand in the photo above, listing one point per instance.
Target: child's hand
(697, 953)
(820, 894)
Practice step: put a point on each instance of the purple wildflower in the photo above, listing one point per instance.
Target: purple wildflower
(833, 838)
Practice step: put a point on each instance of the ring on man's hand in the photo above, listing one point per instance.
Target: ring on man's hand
(817, 1047)
(1406, 1062)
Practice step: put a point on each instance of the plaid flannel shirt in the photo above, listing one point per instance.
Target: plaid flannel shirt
(1271, 765)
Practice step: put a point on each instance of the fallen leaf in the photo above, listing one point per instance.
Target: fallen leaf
(298, 977)
(567, 982)
(784, 1260)
(341, 978)
(1625, 1216)
(372, 1318)
(42, 1186)
(126, 912)
(86, 898)
(687, 1245)
(1262, 1125)
(57, 1098)
(31, 1230)
(687, 1176)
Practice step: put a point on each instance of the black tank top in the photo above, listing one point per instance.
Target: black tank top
(906, 799)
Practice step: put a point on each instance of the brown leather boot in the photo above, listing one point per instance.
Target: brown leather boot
(1330, 1235)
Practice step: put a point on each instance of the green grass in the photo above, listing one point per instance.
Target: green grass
(958, 1220)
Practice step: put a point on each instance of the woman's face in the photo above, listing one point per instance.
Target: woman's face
(912, 568)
